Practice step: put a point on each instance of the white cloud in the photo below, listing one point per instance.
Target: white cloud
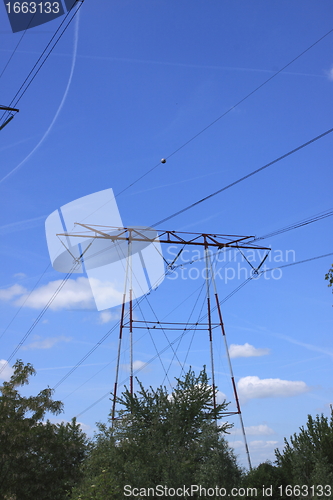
(75, 294)
(7, 372)
(84, 427)
(260, 450)
(330, 74)
(107, 316)
(253, 387)
(220, 397)
(137, 365)
(254, 430)
(11, 292)
(236, 444)
(46, 343)
(262, 445)
(20, 275)
(105, 293)
(246, 351)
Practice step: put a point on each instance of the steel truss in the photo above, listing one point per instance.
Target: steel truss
(207, 241)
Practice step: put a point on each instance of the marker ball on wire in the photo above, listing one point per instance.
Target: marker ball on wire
(163, 160)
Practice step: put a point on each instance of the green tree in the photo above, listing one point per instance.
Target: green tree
(162, 439)
(308, 458)
(38, 460)
(266, 475)
(329, 277)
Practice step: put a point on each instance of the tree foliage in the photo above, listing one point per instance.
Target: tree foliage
(266, 475)
(38, 460)
(161, 439)
(308, 458)
(329, 277)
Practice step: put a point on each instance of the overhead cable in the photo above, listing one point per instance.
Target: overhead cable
(93, 349)
(228, 111)
(24, 302)
(243, 178)
(304, 222)
(17, 46)
(39, 317)
(213, 309)
(40, 61)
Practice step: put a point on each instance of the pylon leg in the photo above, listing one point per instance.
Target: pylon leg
(131, 341)
(229, 362)
(210, 331)
(118, 359)
(121, 331)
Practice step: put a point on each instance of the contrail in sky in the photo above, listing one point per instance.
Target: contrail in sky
(24, 224)
(76, 38)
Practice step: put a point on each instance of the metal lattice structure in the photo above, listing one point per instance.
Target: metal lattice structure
(130, 235)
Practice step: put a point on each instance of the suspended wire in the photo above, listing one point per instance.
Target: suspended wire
(111, 362)
(24, 302)
(312, 219)
(86, 356)
(105, 366)
(221, 116)
(304, 222)
(26, 84)
(200, 312)
(135, 373)
(254, 276)
(289, 228)
(201, 319)
(296, 225)
(44, 136)
(243, 178)
(17, 46)
(108, 333)
(184, 331)
(194, 329)
(186, 143)
(295, 263)
(46, 307)
(162, 328)
(145, 297)
(154, 344)
(228, 111)
(39, 317)
(76, 39)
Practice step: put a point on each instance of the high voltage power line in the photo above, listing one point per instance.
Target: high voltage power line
(28, 82)
(304, 222)
(203, 317)
(16, 47)
(168, 218)
(117, 324)
(244, 177)
(42, 59)
(228, 111)
(39, 317)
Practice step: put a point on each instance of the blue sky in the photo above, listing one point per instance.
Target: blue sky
(128, 84)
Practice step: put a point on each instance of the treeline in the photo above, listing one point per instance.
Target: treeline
(158, 447)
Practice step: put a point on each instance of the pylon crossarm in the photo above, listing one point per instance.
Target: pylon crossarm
(170, 237)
